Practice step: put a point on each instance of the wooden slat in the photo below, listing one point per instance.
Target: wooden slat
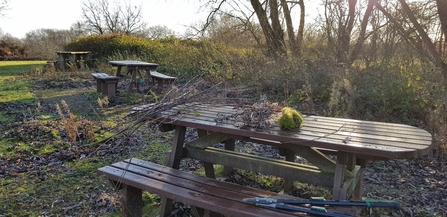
(208, 140)
(312, 141)
(367, 138)
(193, 190)
(280, 168)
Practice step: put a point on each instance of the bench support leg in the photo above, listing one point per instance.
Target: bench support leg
(173, 162)
(288, 183)
(132, 201)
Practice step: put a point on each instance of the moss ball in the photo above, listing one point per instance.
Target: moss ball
(290, 119)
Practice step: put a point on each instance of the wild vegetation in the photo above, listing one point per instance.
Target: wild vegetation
(374, 60)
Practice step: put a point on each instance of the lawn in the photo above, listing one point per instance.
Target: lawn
(43, 171)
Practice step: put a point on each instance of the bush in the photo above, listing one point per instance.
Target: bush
(184, 58)
(389, 92)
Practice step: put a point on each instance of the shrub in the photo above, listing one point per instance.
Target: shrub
(391, 92)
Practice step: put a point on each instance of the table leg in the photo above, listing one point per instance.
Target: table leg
(358, 191)
(288, 183)
(118, 71)
(229, 145)
(132, 80)
(345, 161)
(148, 76)
(174, 162)
(209, 167)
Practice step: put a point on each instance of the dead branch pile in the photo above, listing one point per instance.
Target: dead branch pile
(253, 114)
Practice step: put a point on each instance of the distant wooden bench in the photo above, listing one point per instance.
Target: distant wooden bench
(106, 84)
(208, 197)
(162, 80)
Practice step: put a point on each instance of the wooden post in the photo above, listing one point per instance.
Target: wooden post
(174, 162)
(344, 161)
(132, 201)
(209, 167)
(288, 183)
(229, 145)
(133, 79)
(118, 71)
(358, 191)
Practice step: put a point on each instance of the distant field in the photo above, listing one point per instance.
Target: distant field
(11, 88)
(10, 68)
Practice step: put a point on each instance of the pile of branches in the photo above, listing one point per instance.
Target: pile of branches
(260, 115)
(195, 91)
(254, 114)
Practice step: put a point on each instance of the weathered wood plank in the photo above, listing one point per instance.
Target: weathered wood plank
(217, 196)
(280, 168)
(188, 196)
(335, 143)
(208, 140)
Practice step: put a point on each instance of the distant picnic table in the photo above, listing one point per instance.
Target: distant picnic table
(353, 142)
(140, 71)
(75, 58)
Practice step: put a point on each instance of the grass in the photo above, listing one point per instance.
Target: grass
(47, 173)
(9, 69)
(13, 88)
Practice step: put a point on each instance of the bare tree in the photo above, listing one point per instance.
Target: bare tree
(44, 43)
(294, 41)
(417, 33)
(235, 31)
(3, 7)
(157, 32)
(270, 15)
(340, 17)
(362, 36)
(103, 18)
(442, 11)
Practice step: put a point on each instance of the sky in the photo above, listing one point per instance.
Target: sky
(27, 15)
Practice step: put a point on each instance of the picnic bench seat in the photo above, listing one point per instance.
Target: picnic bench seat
(162, 80)
(208, 197)
(106, 84)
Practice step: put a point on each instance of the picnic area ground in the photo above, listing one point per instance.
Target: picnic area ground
(43, 172)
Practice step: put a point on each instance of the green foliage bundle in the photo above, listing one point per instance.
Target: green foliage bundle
(290, 119)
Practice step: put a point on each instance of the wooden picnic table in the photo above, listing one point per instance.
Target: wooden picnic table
(353, 142)
(135, 69)
(75, 58)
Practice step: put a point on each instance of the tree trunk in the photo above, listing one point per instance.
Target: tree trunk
(289, 25)
(442, 11)
(300, 35)
(274, 35)
(361, 39)
(433, 54)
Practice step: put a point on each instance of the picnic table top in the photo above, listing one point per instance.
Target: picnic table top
(366, 138)
(134, 63)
